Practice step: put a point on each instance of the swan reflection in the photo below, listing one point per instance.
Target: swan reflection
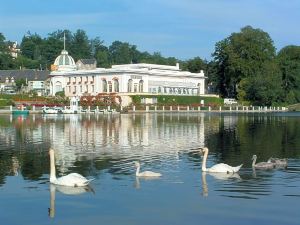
(137, 183)
(217, 176)
(67, 191)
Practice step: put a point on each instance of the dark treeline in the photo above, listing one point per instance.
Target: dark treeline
(245, 65)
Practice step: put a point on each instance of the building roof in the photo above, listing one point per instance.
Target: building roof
(87, 61)
(64, 61)
(28, 74)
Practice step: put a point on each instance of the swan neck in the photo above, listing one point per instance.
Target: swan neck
(254, 161)
(137, 170)
(204, 160)
(52, 167)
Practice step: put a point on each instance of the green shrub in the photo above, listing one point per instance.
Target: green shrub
(179, 100)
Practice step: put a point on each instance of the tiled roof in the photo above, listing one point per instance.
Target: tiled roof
(29, 74)
(87, 61)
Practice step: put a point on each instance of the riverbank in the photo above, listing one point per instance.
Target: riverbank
(163, 109)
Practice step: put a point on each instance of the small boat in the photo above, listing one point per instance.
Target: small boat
(54, 110)
(20, 112)
(69, 111)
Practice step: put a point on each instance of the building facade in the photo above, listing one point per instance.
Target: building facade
(126, 79)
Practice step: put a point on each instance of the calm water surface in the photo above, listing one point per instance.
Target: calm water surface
(105, 148)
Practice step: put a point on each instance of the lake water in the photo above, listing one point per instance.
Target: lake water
(105, 147)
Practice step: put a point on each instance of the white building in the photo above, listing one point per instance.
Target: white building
(126, 79)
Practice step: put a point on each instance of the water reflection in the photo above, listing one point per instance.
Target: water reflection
(96, 144)
(218, 176)
(67, 191)
(138, 180)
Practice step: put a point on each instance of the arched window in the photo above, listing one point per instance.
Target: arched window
(159, 89)
(141, 86)
(116, 85)
(58, 87)
(129, 88)
(104, 85)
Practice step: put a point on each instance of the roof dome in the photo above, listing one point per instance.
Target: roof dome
(64, 61)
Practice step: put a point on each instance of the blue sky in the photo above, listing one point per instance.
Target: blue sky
(180, 28)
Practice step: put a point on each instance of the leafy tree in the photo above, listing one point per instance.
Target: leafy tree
(20, 82)
(100, 52)
(121, 52)
(242, 59)
(31, 46)
(289, 62)
(6, 61)
(264, 88)
(194, 65)
(80, 45)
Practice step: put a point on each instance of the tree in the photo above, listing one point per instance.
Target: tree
(80, 46)
(19, 83)
(100, 52)
(31, 46)
(264, 88)
(289, 62)
(121, 52)
(242, 58)
(6, 61)
(194, 65)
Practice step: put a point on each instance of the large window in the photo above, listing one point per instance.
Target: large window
(58, 87)
(129, 89)
(116, 85)
(141, 86)
(104, 85)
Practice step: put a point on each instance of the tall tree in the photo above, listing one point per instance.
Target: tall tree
(6, 61)
(31, 46)
(244, 57)
(100, 52)
(289, 63)
(122, 52)
(194, 65)
(80, 46)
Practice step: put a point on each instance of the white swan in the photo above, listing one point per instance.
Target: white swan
(218, 168)
(262, 165)
(145, 173)
(71, 180)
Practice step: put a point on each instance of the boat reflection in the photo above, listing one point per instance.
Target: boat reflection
(67, 191)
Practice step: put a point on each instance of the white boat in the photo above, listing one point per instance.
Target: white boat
(69, 111)
(52, 110)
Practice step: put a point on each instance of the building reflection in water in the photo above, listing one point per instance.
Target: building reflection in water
(147, 135)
